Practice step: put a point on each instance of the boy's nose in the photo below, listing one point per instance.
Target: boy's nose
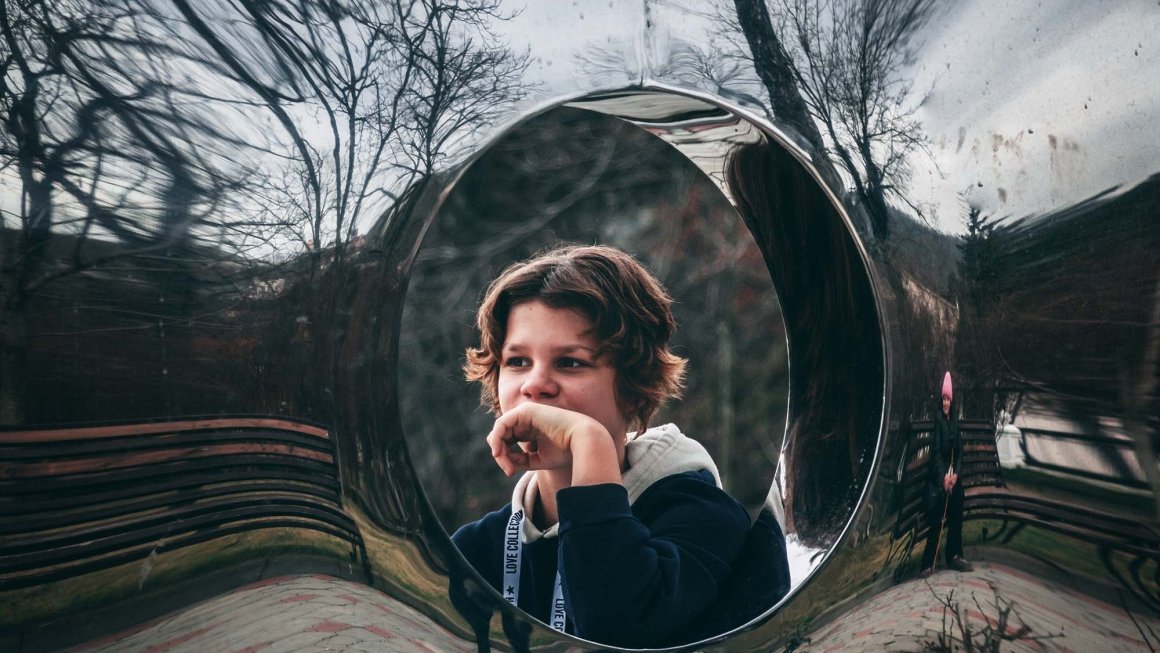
(539, 383)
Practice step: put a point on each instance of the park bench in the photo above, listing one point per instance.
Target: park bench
(980, 468)
(989, 497)
(77, 500)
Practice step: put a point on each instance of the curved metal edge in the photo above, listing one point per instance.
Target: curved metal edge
(805, 160)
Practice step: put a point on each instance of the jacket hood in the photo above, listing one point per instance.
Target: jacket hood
(524, 498)
(663, 451)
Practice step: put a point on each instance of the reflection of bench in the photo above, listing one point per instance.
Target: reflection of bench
(980, 468)
(988, 497)
(1107, 530)
(77, 500)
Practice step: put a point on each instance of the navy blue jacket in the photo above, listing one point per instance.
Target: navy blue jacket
(633, 576)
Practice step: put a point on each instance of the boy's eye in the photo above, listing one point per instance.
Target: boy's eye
(569, 363)
(516, 361)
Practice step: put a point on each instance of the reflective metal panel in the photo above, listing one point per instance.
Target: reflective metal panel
(221, 224)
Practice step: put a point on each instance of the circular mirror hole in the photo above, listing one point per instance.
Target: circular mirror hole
(606, 170)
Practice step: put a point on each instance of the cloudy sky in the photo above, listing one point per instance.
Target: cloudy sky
(1032, 106)
(1043, 103)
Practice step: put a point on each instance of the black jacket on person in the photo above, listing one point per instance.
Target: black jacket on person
(666, 558)
(634, 576)
(946, 450)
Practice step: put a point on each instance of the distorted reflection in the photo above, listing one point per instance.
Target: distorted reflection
(1057, 461)
(213, 217)
(833, 332)
(185, 194)
(150, 143)
(843, 68)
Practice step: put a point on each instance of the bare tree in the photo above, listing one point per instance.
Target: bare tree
(393, 86)
(143, 124)
(841, 61)
(773, 64)
(706, 66)
(107, 142)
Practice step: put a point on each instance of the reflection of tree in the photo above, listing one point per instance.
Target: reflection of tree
(977, 360)
(175, 149)
(704, 66)
(392, 86)
(978, 267)
(774, 67)
(838, 63)
(1061, 305)
(97, 130)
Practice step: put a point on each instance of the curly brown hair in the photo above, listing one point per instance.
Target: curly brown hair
(629, 307)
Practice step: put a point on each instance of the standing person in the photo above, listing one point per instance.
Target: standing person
(944, 491)
(617, 537)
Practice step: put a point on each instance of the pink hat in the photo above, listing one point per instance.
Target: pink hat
(947, 387)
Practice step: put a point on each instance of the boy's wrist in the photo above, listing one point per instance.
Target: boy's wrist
(594, 457)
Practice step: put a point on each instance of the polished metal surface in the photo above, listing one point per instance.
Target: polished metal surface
(241, 243)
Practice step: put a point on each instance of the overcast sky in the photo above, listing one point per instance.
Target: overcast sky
(1044, 103)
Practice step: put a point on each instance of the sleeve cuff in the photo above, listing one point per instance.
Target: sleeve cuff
(591, 504)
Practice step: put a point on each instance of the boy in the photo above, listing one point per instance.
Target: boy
(616, 538)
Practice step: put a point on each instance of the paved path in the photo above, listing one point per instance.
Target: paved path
(905, 616)
(320, 613)
(290, 613)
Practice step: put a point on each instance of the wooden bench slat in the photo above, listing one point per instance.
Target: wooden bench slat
(155, 428)
(89, 515)
(1099, 537)
(84, 565)
(223, 468)
(45, 451)
(1073, 514)
(99, 495)
(25, 555)
(9, 471)
(74, 500)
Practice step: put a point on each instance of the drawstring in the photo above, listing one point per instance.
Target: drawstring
(513, 560)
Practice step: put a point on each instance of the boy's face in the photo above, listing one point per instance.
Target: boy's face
(549, 356)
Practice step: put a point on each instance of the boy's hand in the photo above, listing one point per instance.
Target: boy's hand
(536, 436)
(949, 481)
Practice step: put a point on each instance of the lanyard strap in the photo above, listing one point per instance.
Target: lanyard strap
(559, 615)
(513, 560)
(512, 555)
